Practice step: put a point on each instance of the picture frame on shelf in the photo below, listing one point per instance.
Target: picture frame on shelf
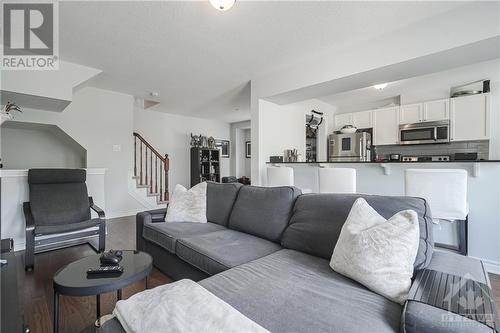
(224, 146)
(248, 149)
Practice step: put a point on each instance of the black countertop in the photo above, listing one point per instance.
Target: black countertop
(389, 162)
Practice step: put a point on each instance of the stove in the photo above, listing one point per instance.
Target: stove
(423, 158)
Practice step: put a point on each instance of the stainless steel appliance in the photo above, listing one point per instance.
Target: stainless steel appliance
(437, 158)
(349, 147)
(466, 156)
(425, 133)
(472, 88)
(395, 157)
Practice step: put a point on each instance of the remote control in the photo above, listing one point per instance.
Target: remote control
(105, 270)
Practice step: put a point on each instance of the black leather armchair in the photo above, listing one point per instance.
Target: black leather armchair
(59, 204)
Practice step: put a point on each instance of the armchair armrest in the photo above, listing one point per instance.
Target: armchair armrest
(96, 209)
(29, 253)
(30, 222)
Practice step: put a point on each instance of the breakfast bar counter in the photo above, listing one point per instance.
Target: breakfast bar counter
(386, 165)
(388, 178)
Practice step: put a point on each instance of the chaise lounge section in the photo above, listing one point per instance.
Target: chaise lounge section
(266, 252)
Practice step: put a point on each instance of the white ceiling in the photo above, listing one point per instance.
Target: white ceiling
(201, 60)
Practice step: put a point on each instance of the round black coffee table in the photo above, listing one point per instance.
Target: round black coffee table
(71, 280)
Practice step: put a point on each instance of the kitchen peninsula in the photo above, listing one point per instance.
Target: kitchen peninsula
(388, 178)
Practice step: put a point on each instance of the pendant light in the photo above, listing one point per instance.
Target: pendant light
(222, 5)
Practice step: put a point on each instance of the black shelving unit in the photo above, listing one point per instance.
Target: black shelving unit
(205, 165)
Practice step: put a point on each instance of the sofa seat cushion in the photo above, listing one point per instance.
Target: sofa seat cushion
(166, 234)
(62, 228)
(290, 291)
(218, 251)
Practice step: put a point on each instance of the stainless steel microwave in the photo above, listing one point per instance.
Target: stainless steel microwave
(425, 133)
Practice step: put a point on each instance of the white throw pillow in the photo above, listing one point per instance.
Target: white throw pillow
(376, 252)
(188, 206)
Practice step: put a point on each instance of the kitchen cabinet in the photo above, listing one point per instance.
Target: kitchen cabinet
(411, 113)
(437, 110)
(427, 111)
(386, 126)
(469, 117)
(362, 119)
(342, 120)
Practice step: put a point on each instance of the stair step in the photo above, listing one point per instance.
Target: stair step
(153, 194)
(136, 177)
(161, 202)
(142, 186)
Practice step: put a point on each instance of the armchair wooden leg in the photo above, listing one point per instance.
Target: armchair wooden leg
(29, 253)
(102, 237)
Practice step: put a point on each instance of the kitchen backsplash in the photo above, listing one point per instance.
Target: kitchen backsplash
(481, 147)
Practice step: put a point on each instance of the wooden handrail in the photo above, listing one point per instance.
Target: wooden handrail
(160, 156)
(152, 179)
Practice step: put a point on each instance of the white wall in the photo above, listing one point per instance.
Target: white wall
(284, 128)
(170, 134)
(39, 147)
(241, 161)
(235, 161)
(248, 165)
(98, 119)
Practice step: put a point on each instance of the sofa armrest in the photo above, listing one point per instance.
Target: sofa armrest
(452, 295)
(423, 318)
(151, 216)
(96, 209)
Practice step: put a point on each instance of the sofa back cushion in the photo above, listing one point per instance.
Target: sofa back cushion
(263, 211)
(318, 219)
(220, 201)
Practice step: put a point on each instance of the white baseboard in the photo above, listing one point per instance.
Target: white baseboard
(113, 215)
(490, 265)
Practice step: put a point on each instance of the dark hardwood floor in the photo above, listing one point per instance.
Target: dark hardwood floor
(78, 313)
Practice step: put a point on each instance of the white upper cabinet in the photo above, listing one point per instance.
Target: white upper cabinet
(437, 110)
(469, 116)
(411, 113)
(386, 126)
(362, 119)
(428, 111)
(342, 120)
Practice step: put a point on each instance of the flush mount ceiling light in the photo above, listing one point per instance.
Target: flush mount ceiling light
(222, 5)
(380, 86)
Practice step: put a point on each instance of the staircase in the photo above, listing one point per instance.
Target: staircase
(150, 171)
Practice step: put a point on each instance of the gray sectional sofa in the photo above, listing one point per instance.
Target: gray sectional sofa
(266, 252)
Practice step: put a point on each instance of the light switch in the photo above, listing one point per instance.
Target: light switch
(117, 148)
